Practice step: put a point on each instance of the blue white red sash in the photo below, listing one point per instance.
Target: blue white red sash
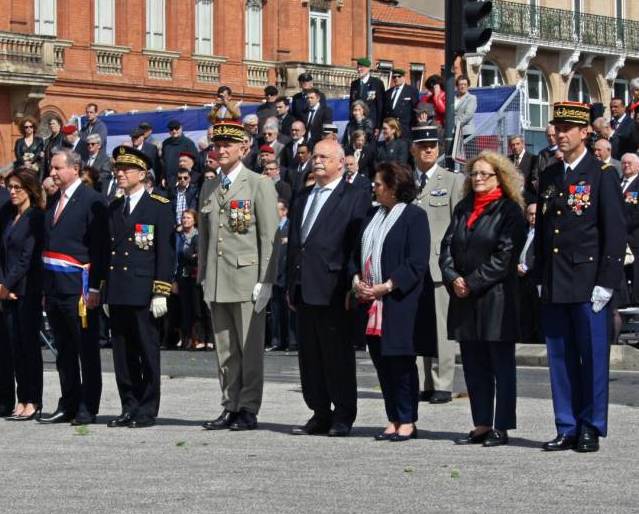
(62, 263)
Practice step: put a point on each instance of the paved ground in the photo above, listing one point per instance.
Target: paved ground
(177, 467)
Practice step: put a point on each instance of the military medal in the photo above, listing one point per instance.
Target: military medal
(144, 236)
(579, 197)
(631, 197)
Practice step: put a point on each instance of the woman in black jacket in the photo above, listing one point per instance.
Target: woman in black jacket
(29, 147)
(392, 148)
(359, 121)
(391, 276)
(22, 229)
(53, 143)
(478, 260)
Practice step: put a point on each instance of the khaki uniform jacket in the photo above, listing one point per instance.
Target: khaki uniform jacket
(237, 237)
(438, 198)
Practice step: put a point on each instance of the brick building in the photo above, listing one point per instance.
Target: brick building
(57, 55)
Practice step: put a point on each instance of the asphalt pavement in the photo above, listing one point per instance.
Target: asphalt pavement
(178, 467)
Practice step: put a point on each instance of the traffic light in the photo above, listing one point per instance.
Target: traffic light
(466, 34)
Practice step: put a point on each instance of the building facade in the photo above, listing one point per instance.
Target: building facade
(581, 50)
(124, 55)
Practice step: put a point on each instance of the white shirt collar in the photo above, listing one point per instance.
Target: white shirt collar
(576, 162)
(135, 198)
(630, 181)
(365, 78)
(429, 173)
(621, 118)
(68, 192)
(234, 171)
(330, 186)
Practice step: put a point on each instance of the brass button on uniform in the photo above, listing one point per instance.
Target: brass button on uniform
(556, 231)
(125, 268)
(219, 253)
(591, 258)
(558, 213)
(110, 267)
(219, 239)
(221, 225)
(130, 239)
(556, 250)
(126, 253)
(112, 253)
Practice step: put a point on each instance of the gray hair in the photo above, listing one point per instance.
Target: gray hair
(605, 143)
(250, 118)
(600, 123)
(634, 84)
(632, 156)
(271, 123)
(362, 104)
(203, 143)
(72, 159)
(516, 136)
(94, 138)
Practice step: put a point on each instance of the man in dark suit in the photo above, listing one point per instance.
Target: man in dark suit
(525, 162)
(352, 175)
(149, 149)
(284, 117)
(296, 175)
(325, 222)
(370, 90)
(173, 147)
(272, 170)
(74, 257)
(364, 154)
(71, 140)
(400, 102)
(299, 103)
(316, 116)
(94, 125)
(529, 298)
(267, 108)
(7, 385)
(98, 160)
(138, 284)
(288, 155)
(621, 123)
(580, 244)
(183, 196)
(630, 192)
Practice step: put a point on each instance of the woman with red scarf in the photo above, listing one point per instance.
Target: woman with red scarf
(478, 259)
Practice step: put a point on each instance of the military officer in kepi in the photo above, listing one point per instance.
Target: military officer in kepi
(579, 251)
(138, 283)
(237, 268)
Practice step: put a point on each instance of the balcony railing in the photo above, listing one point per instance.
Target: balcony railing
(334, 80)
(562, 26)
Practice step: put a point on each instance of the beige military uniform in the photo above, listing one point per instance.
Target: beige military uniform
(438, 198)
(236, 251)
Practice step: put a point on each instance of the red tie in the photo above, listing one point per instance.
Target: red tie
(61, 204)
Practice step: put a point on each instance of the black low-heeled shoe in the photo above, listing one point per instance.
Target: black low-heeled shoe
(384, 436)
(496, 438)
(34, 415)
(471, 438)
(398, 438)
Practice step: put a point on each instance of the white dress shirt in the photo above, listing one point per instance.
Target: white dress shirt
(626, 181)
(574, 163)
(330, 187)
(234, 172)
(134, 198)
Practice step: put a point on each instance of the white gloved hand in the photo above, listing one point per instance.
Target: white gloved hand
(105, 308)
(158, 306)
(600, 297)
(261, 295)
(539, 291)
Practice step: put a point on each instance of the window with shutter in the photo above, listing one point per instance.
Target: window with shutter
(155, 24)
(45, 17)
(320, 36)
(204, 27)
(253, 30)
(104, 22)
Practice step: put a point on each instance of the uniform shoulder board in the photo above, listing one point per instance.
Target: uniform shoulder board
(607, 166)
(159, 198)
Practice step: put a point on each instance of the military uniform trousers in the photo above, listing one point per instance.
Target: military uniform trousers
(578, 352)
(78, 360)
(439, 372)
(136, 359)
(239, 343)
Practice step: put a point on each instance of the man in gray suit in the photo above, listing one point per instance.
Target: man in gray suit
(439, 192)
(603, 151)
(465, 107)
(238, 223)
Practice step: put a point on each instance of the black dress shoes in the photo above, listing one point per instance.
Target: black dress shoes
(339, 430)
(496, 438)
(424, 396)
(588, 440)
(123, 420)
(440, 397)
(398, 438)
(384, 436)
(277, 348)
(473, 438)
(59, 416)
(245, 420)
(222, 422)
(313, 426)
(142, 423)
(83, 418)
(560, 443)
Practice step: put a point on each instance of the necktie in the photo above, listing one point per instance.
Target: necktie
(91, 161)
(613, 123)
(395, 96)
(126, 211)
(61, 204)
(310, 118)
(357, 154)
(226, 182)
(568, 170)
(423, 180)
(624, 183)
(350, 177)
(111, 189)
(312, 214)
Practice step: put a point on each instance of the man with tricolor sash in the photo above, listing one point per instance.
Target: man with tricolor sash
(74, 269)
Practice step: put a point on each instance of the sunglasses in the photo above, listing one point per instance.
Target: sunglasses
(183, 179)
(92, 144)
(28, 126)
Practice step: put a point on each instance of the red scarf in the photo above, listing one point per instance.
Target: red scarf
(481, 202)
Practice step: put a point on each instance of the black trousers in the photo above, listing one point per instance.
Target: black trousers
(491, 380)
(530, 309)
(23, 318)
(7, 378)
(78, 360)
(136, 359)
(191, 315)
(282, 319)
(327, 362)
(399, 381)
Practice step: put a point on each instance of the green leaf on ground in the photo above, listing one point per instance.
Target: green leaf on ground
(181, 444)
(455, 473)
(409, 469)
(82, 430)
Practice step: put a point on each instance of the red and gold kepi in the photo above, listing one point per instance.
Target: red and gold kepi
(228, 130)
(576, 113)
(126, 156)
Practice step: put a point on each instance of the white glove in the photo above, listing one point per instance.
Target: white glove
(539, 291)
(105, 308)
(158, 306)
(600, 297)
(261, 295)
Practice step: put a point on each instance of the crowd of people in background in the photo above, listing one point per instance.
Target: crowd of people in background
(436, 257)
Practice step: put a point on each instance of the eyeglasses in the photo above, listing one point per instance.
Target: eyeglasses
(28, 126)
(15, 188)
(174, 129)
(183, 179)
(91, 144)
(481, 174)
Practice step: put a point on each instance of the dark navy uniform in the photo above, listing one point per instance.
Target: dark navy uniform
(141, 266)
(631, 210)
(372, 93)
(579, 244)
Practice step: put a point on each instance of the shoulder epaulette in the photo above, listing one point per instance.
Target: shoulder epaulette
(159, 198)
(606, 166)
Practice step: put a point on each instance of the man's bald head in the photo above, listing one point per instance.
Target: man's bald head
(602, 149)
(328, 161)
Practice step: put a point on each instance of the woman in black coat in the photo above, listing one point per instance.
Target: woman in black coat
(392, 148)
(391, 267)
(478, 260)
(29, 147)
(359, 121)
(22, 229)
